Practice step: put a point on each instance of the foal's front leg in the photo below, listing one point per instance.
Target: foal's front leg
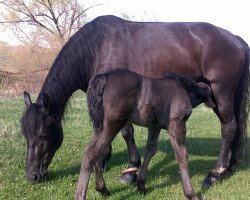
(150, 149)
(177, 133)
(129, 175)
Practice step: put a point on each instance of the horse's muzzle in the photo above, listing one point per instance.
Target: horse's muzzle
(36, 177)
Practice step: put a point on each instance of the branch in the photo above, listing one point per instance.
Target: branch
(16, 21)
(55, 19)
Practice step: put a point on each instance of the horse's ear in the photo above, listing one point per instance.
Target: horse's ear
(45, 101)
(27, 99)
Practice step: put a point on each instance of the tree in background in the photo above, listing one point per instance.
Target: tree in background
(43, 27)
(44, 20)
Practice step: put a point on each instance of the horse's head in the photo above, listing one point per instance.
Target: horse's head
(43, 135)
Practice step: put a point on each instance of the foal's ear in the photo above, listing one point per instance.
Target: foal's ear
(27, 99)
(45, 101)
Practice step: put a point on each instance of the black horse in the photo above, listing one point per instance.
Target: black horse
(156, 104)
(199, 51)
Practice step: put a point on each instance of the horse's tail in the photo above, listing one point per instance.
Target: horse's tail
(95, 101)
(201, 90)
(241, 108)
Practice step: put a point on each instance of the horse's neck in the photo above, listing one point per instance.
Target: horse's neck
(59, 85)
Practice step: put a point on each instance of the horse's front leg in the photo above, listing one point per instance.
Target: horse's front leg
(150, 149)
(129, 175)
(177, 135)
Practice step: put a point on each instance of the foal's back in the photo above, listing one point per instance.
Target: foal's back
(144, 101)
(121, 94)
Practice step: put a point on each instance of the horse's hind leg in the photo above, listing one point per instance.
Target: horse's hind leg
(225, 112)
(177, 135)
(150, 149)
(129, 175)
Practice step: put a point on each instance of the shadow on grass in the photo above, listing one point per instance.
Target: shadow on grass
(61, 173)
(202, 147)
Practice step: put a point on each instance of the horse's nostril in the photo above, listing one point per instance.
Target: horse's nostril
(35, 177)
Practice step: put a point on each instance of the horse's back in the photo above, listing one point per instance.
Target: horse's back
(196, 49)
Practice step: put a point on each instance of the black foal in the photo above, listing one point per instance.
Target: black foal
(121, 97)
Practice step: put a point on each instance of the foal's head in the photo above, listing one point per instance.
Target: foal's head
(43, 135)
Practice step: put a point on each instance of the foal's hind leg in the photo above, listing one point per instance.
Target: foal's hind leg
(93, 158)
(177, 135)
(150, 149)
(225, 112)
(100, 183)
(86, 167)
(134, 156)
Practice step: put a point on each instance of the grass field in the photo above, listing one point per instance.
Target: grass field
(163, 180)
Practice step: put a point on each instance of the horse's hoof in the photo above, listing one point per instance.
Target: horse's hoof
(128, 178)
(211, 179)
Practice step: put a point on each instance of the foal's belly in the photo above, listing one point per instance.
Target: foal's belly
(148, 118)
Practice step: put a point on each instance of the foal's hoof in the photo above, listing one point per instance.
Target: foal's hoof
(128, 178)
(141, 187)
(104, 192)
(211, 179)
(195, 198)
(141, 190)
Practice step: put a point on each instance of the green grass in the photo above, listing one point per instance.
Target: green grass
(163, 180)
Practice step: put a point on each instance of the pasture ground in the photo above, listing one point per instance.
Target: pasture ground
(163, 180)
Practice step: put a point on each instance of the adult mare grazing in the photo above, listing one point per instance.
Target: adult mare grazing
(199, 51)
(156, 104)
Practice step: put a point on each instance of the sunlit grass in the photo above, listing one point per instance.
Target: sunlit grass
(163, 180)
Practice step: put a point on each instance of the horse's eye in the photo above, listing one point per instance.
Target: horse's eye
(48, 121)
(41, 135)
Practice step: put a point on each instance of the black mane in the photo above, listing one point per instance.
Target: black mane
(73, 63)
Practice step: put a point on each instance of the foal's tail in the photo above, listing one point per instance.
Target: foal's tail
(241, 109)
(95, 101)
(200, 90)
